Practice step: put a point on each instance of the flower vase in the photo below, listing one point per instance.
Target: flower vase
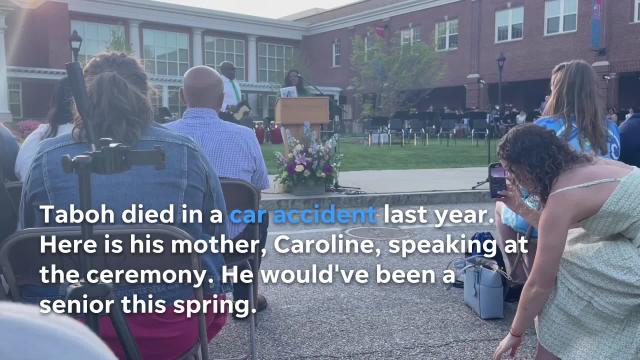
(308, 189)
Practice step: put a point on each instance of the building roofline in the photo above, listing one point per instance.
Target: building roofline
(376, 14)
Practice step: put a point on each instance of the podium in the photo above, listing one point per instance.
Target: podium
(292, 113)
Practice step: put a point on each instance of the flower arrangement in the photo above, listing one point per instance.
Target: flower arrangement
(308, 162)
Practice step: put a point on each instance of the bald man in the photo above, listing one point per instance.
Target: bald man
(232, 150)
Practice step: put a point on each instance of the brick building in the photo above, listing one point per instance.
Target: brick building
(470, 34)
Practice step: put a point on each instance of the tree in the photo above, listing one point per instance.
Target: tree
(118, 43)
(392, 73)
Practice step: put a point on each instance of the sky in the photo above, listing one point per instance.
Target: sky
(264, 8)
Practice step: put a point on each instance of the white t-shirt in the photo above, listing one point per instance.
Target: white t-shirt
(30, 147)
(29, 335)
(231, 98)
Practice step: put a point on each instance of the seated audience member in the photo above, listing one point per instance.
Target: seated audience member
(583, 289)
(59, 122)
(8, 154)
(232, 150)
(573, 113)
(29, 335)
(119, 88)
(521, 118)
(612, 115)
(630, 140)
(629, 114)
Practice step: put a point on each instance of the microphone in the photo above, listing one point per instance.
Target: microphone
(299, 76)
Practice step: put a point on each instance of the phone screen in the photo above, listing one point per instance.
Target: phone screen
(497, 179)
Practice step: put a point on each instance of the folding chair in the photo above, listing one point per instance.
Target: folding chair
(447, 127)
(241, 195)
(10, 196)
(417, 129)
(25, 244)
(396, 127)
(479, 126)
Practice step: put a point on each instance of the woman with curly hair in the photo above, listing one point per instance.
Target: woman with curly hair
(584, 288)
(574, 113)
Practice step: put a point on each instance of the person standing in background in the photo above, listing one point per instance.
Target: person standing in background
(232, 92)
(59, 122)
(630, 140)
(293, 78)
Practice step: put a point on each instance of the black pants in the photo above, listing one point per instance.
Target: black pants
(241, 290)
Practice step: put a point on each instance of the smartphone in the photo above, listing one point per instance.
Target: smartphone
(497, 179)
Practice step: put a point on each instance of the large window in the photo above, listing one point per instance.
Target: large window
(560, 16)
(273, 61)
(175, 105)
(410, 36)
(509, 24)
(165, 52)
(447, 35)
(96, 37)
(637, 11)
(217, 50)
(335, 53)
(15, 99)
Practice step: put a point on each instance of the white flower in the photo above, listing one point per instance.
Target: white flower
(299, 168)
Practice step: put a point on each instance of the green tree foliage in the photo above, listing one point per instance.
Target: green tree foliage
(393, 74)
(118, 43)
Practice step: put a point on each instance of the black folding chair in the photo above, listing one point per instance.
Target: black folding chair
(479, 127)
(447, 128)
(241, 195)
(21, 260)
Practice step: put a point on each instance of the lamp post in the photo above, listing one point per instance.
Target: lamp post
(75, 42)
(500, 60)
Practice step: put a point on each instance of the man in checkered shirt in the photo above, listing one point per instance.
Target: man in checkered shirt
(232, 150)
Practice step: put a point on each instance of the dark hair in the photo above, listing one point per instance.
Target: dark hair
(574, 92)
(536, 154)
(300, 86)
(118, 90)
(61, 111)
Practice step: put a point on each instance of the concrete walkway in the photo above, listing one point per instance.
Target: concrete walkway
(405, 181)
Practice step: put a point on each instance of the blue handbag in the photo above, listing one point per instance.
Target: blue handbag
(483, 287)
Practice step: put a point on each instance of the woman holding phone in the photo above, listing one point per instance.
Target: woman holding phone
(584, 288)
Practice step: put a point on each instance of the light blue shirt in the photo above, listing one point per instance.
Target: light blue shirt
(232, 150)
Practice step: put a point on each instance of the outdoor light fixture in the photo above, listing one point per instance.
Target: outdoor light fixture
(501, 59)
(75, 42)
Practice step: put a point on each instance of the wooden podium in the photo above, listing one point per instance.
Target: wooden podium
(292, 113)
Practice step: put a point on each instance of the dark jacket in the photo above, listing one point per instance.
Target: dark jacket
(630, 141)
(8, 154)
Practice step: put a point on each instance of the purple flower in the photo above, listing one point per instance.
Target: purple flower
(328, 169)
(291, 168)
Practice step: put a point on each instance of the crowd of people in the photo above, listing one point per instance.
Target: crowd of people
(565, 184)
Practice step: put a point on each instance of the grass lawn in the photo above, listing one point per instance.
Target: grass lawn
(358, 156)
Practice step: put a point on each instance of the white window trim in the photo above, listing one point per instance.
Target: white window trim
(412, 36)
(562, 15)
(20, 98)
(244, 55)
(333, 53)
(510, 36)
(267, 44)
(447, 34)
(636, 11)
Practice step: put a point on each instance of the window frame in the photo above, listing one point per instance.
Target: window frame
(240, 69)
(20, 103)
(636, 11)
(155, 59)
(447, 35)
(562, 15)
(510, 24)
(83, 57)
(413, 31)
(266, 69)
(336, 45)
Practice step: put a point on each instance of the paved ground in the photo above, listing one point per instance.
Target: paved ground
(390, 181)
(372, 321)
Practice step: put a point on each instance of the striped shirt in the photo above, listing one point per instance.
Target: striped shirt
(232, 150)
